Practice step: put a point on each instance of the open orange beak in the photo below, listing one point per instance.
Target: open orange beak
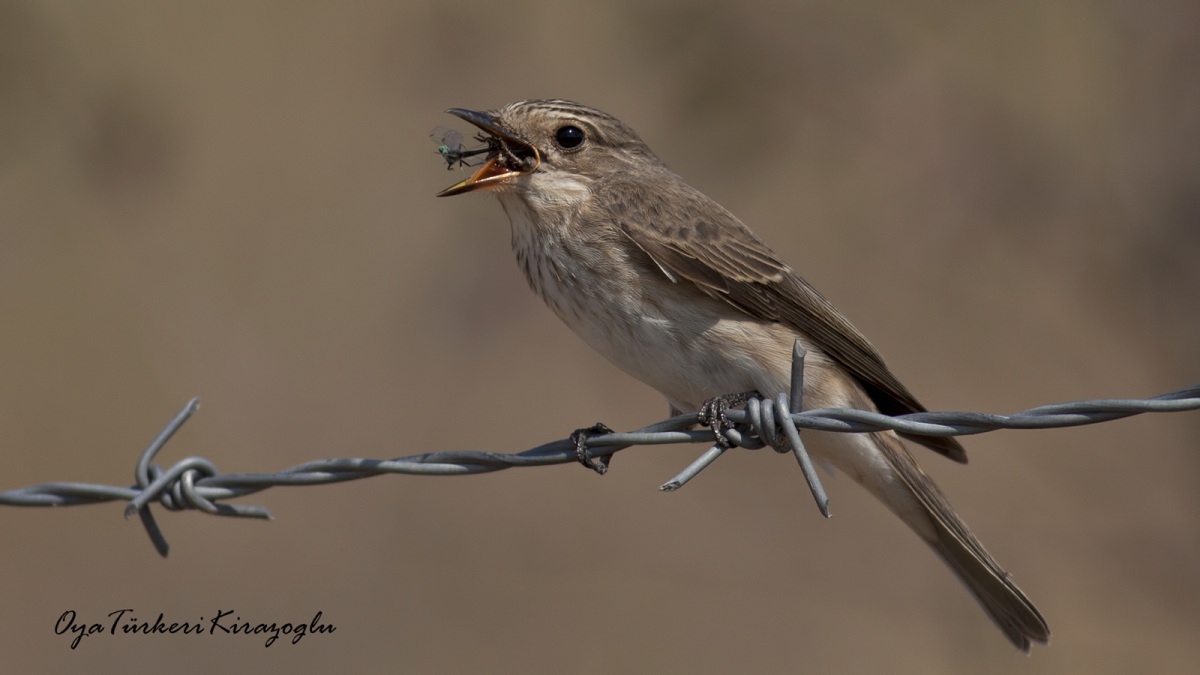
(513, 156)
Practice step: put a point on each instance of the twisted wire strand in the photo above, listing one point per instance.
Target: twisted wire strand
(195, 483)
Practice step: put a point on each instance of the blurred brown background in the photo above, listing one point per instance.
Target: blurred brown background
(235, 200)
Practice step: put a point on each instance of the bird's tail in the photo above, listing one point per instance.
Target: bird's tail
(949, 537)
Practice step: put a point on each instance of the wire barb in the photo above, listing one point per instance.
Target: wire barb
(195, 483)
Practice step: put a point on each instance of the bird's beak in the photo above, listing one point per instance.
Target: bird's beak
(511, 155)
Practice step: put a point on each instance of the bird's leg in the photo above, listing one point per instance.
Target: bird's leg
(712, 413)
(580, 438)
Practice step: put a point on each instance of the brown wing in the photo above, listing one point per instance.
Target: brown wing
(725, 260)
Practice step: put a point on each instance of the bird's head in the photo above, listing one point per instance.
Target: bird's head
(549, 146)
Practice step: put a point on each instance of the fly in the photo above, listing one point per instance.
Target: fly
(451, 148)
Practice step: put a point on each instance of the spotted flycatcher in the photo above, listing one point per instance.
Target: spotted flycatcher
(677, 292)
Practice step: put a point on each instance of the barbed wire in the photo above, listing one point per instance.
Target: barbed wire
(195, 483)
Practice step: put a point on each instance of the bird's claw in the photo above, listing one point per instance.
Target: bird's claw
(712, 414)
(580, 438)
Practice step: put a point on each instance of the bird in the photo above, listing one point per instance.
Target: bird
(677, 292)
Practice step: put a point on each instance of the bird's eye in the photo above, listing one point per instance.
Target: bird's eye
(569, 137)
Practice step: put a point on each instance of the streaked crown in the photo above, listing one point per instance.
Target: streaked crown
(570, 135)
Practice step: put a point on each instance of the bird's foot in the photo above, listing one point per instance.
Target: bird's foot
(712, 414)
(580, 438)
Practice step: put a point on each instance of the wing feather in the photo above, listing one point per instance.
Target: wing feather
(718, 254)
